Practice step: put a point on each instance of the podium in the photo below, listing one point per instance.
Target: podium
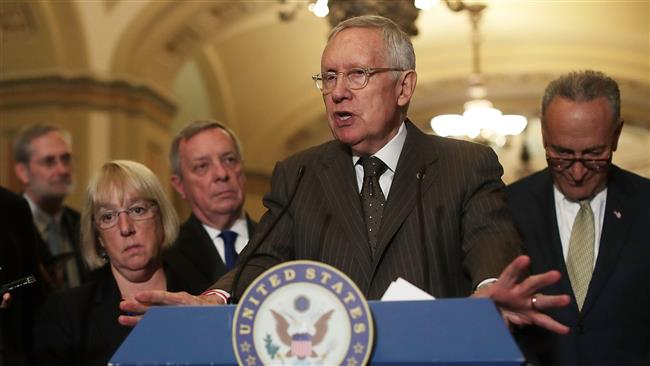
(438, 332)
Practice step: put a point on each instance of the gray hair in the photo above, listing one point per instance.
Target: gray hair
(191, 130)
(400, 53)
(584, 86)
(122, 176)
(22, 149)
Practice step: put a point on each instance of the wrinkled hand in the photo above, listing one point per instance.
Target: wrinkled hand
(145, 299)
(515, 298)
(6, 300)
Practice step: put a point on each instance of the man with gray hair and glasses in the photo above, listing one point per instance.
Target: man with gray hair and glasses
(43, 164)
(384, 200)
(588, 219)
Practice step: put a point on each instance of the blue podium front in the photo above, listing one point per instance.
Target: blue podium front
(437, 332)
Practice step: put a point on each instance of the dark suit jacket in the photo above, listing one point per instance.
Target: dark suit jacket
(195, 256)
(614, 325)
(79, 326)
(466, 232)
(70, 220)
(17, 260)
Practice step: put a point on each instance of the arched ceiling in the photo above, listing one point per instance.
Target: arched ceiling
(264, 65)
(259, 67)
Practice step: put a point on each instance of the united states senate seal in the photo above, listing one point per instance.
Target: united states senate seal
(302, 313)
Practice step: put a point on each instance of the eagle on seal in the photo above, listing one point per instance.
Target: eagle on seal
(301, 341)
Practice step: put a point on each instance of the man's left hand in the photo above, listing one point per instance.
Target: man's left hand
(520, 301)
(6, 300)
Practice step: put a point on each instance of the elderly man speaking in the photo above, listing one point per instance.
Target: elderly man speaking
(384, 200)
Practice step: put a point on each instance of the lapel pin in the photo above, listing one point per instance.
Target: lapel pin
(617, 213)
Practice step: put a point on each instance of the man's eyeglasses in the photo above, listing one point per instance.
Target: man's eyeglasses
(561, 164)
(357, 77)
(50, 161)
(139, 211)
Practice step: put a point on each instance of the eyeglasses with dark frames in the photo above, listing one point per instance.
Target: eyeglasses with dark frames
(562, 164)
(138, 212)
(357, 77)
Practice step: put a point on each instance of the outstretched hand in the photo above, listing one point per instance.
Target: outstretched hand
(6, 300)
(521, 302)
(136, 307)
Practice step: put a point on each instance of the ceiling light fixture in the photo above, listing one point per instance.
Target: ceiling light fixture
(480, 121)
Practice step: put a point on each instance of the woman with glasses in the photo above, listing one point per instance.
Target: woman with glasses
(126, 223)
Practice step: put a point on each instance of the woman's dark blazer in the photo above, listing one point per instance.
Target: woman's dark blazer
(79, 326)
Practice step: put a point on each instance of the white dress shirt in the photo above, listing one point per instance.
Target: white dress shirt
(240, 227)
(389, 154)
(42, 220)
(566, 212)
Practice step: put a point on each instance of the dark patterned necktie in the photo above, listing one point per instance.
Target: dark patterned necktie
(372, 198)
(229, 238)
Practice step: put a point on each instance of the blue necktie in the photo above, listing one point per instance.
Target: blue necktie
(229, 238)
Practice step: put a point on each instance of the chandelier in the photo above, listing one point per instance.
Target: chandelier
(480, 121)
(402, 12)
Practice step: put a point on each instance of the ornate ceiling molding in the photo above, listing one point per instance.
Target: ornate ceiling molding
(16, 20)
(87, 92)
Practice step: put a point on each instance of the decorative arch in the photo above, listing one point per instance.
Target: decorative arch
(41, 37)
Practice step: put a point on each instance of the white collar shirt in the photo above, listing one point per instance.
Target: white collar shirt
(240, 227)
(41, 218)
(566, 212)
(389, 154)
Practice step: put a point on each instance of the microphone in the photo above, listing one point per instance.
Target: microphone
(253, 250)
(11, 286)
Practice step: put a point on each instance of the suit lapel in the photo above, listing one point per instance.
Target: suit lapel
(250, 226)
(618, 209)
(338, 179)
(550, 244)
(200, 250)
(71, 228)
(414, 162)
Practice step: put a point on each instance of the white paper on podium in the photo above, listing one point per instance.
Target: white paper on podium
(403, 290)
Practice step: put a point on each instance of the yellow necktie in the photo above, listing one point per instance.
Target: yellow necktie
(580, 262)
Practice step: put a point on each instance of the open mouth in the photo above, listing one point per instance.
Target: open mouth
(343, 116)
